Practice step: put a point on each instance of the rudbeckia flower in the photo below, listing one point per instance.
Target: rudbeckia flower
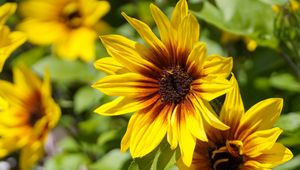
(27, 114)
(9, 41)
(168, 83)
(249, 144)
(69, 25)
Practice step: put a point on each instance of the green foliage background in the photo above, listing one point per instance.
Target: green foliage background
(85, 140)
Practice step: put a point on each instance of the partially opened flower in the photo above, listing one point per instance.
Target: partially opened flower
(27, 115)
(167, 83)
(249, 144)
(9, 41)
(71, 26)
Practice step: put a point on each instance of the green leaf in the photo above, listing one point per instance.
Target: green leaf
(86, 98)
(113, 160)
(162, 158)
(285, 81)
(289, 122)
(29, 57)
(293, 164)
(67, 71)
(238, 17)
(67, 161)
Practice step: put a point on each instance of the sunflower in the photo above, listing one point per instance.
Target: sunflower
(249, 144)
(9, 41)
(27, 114)
(168, 83)
(71, 26)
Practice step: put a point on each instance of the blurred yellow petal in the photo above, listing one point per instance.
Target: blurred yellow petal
(30, 155)
(39, 9)
(6, 11)
(94, 10)
(42, 32)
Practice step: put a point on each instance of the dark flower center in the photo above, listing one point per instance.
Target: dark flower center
(71, 17)
(174, 85)
(226, 158)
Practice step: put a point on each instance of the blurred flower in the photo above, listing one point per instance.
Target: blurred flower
(9, 41)
(27, 114)
(249, 144)
(69, 25)
(276, 8)
(167, 85)
(294, 5)
(228, 37)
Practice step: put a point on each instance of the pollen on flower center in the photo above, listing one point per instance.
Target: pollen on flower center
(174, 85)
(226, 158)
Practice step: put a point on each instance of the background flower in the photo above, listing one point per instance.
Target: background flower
(69, 25)
(28, 113)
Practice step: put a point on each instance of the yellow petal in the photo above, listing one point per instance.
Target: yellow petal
(162, 23)
(110, 66)
(10, 41)
(188, 33)
(30, 155)
(93, 10)
(79, 43)
(123, 105)
(210, 88)
(208, 113)
(261, 116)
(277, 155)
(6, 11)
(41, 33)
(180, 11)
(147, 34)
(26, 81)
(149, 131)
(172, 134)
(10, 93)
(128, 84)
(233, 107)
(128, 53)
(125, 143)
(194, 121)
(217, 66)
(186, 140)
(43, 10)
(260, 141)
(196, 58)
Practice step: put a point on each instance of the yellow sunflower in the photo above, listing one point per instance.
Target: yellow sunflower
(9, 41)
(27, 114)
(168, 83)
(249, 144)
(71, 26)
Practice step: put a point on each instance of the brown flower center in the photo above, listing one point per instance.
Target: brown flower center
(71, 16)
(228, 157)
(174, 85)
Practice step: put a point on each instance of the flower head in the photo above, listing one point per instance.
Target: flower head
(69, 25)
(249, 144)
(167, 83)
(9, 41)
(27, 114)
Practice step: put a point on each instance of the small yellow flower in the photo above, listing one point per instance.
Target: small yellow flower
(168, 83)
(9, 41)
(228, 37)
(249, 144)
(27, 114)
(69, 25)
(294, 5)
(276, 8)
